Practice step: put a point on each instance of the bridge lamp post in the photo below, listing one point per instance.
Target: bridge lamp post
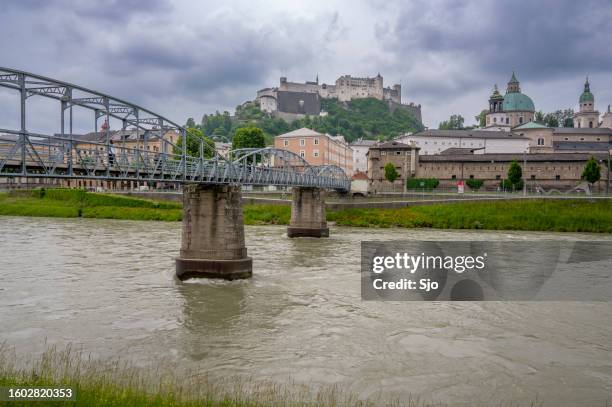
(23, 123)
(525, 166)
(603, 161)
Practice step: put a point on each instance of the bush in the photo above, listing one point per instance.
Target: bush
(474, 184)
(427, 183)
(509, 186)
(391, 173)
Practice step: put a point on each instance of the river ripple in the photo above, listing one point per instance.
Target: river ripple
(108, 287)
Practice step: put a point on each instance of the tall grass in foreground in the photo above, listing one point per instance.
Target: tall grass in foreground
(116, 383)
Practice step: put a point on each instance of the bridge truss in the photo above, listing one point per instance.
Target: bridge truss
(65, 155)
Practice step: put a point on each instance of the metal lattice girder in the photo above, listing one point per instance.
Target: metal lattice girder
(26, 154)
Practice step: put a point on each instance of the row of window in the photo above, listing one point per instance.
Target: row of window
(499, 177)
(502, 120)
(443, 143)
(502, 168)
(315, 153)
(383, 152)
(302, 142)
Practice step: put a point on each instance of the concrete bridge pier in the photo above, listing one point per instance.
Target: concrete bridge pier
(212, 243)
(308, 213)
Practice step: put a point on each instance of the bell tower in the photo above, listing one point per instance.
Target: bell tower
(513, 85)
(587, 116)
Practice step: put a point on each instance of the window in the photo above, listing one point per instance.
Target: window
(533, 177)
(558, 177)
(591, 125)
(521, 120)
(302, 153)
(567, 138)
(285, 142)
(495, 120)
(398, 153)
(498, 177)
(581, 138)
(302, 142)
(315, 153)
(471, 177)
(383, 153)
(507, 120)
(316, 141)
(454, 177)
(540, 141)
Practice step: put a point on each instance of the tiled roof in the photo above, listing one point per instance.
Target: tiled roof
(301, 133)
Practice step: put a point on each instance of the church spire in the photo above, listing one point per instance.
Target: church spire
(513, 84)
(587, 87)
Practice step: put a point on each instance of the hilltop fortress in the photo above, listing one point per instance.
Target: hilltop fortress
(293, 100)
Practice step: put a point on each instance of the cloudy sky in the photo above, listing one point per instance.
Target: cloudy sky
(184, 58)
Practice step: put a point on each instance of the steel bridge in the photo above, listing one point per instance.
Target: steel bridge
(65, 155)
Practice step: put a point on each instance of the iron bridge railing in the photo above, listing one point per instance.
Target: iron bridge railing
(68, 156)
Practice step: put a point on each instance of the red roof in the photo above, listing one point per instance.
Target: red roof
(360, 175)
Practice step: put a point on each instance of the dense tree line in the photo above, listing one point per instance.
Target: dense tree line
(362, 118)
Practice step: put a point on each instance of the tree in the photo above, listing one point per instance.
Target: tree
(190, 122)
(195, 138)
(455, 122)
(248, 137)
(592, 171)
(391, 173)
(565, 118)
(550, 120)
(515, 175)
(539, 117)
(481, 119)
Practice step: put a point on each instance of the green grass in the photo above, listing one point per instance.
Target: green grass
(115, 383)
(538, 215)
(72, 203)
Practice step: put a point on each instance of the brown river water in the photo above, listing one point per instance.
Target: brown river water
(108, 287)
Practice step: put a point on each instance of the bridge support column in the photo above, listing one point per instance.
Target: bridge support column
(212, 242)
(308, 213)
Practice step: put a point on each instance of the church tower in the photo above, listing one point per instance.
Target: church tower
(587, 116)
(513, 85)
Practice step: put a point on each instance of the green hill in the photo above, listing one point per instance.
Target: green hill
(367, 118)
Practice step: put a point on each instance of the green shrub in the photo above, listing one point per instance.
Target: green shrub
(474, 184)
(427, 183)
(509, 186)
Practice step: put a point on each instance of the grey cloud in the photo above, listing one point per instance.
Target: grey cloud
(541, 39)
(167, 57)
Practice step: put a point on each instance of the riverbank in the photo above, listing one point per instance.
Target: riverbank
(116, 383)
(535, 215)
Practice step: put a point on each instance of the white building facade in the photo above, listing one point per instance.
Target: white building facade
(470, 141)
(360, 150)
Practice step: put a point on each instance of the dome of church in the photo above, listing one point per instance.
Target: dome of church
(516, 101)
(587, 97)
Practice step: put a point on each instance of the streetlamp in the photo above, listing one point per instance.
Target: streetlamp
(608, 181)
(525, 171)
